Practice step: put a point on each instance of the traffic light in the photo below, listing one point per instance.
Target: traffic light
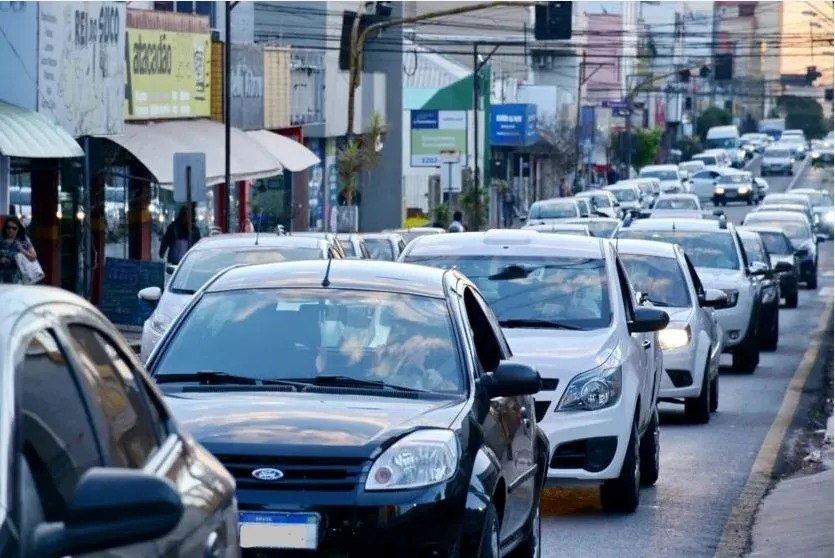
(552, 21)
(684, 76)
(375, 12)
(812, 74)
(704, 71)
(724, 69)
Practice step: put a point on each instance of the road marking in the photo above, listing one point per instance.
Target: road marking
(803, 166)
(826, 292)
(734, 541)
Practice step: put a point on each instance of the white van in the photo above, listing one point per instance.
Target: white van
(727, 139)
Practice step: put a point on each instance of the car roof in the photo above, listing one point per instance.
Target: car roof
(745, 232)
(645, 247)
(660, 167)
(380, 235)
(621, 186)
(809, 191)
(760, 229)
(584, 220)
(556, 201)
(561, 226)
(665, 224)
(678, 195)
(16, 299)
(265, 240)
(369, 275)
(779, 215)
(782, 206)
(499, 241)
(592, 192)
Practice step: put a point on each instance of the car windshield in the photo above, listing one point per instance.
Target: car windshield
(796, 230)
(776, 243)
(819, 199)
(784, 200)
(704, 248)
(583, 206)
(777, 154)
(721, 143)
(273, 334)
(602, 229)
(676, 203)
(733, 179)
(691, 167)
(600, 200)
(553, 211)
(625, 195)
(708, 159)
(573, 292)
(661, 279)
(753, 249)
(660, 174)
(201, 265)
(348, 247)
(380, 249)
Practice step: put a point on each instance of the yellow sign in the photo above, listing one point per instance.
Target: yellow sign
(169, 75)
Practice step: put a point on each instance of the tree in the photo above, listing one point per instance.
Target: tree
(712, 116)
(688, 147)
(557, 151)
(468, 197)
(646, 145)
(360, 154)
(804, 113)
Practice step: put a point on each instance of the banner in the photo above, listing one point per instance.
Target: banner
(246, 108)
(169, 74)
(434, 131)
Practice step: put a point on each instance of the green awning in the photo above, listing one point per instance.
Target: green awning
(27, 134)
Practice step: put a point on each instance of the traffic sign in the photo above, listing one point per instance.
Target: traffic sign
(450, 171)
(189, 177)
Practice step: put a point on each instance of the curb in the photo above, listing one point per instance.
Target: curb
(736, 535)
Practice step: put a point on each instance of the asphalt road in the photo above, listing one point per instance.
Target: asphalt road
(703, 467)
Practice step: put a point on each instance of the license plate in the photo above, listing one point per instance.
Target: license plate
(298, 531)
(730, 193)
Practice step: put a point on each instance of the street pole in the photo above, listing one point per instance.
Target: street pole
(227, 96)
(476, 99)
(581, 71)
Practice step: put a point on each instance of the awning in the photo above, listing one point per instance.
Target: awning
(156, 143)
(292, 155)
(25, 133)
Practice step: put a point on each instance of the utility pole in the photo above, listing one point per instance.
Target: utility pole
(582, 79)
(227, 97)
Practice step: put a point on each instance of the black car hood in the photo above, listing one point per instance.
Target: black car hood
(313, 423)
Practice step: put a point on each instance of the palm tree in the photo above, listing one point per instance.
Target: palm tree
(361, 154)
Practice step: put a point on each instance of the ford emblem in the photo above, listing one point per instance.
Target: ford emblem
(267, 474)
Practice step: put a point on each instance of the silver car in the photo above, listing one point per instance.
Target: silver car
(777, 159)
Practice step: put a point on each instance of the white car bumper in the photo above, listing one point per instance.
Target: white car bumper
(734, 322)
(676, 362)
(150, 338)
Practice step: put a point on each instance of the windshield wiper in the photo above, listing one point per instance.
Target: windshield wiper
(213, 377)
(658, 303)
(538, 324)
(348, 381)
(183, 291)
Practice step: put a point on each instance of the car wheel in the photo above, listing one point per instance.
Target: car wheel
(724, 203)
(714, 394)
(697, 409)
(746, 356)
(651, 451)
(791, 299)
(772, 337)
(621, 495)
(490, 547)
(530, 547)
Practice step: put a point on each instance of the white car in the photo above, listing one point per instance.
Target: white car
(716, 251)
(550, 211)
(566, 306)
(703, 182)
(628, 195)
(677, 205)
(602, 201)
(672, 179)
(575, 229)
(777, 159)
(692, 342)
(210, 256)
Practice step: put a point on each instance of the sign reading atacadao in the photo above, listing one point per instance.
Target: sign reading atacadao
(168, 74)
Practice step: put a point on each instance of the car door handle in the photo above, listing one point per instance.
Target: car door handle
(646, 344)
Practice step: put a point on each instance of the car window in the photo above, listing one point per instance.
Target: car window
(304, 333)
(625, 195)
(676, 203)
(754, 249)
(487, 346)
(55, 429)
(364, 250)
(128, 423)
(350, 250)
(380, 249)
(798, 231)
(660, 278)
(705, 248)
(776, 243)
(601, 229)
(569, 291)
(552, 210)
(627, 292)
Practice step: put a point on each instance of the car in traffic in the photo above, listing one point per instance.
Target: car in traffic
(796, 144)
(574, 229)
(677, 205)
(334, 243)
(552, 210)
(364, 408)
(628, 196)
(669, 175)
(822, 206)
(714, 159)
(567, 307)
(384, 246)
(692, 342)
(735, 186)
(785, 261)
(353, 246)
(757, 140)
(648, 189)
(601, 202)
(796, 199)
(769, 283)
(601, 227)
(703, 182)
(777, 159)
(208, 257)
(799, 230)
(91, 460)
(790, 208)
(715, 249)
(412, 233)
(691, 167)
(823, 155)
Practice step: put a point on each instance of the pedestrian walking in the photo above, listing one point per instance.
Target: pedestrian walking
(508, 205)
(15, 250)
(457, 226)
(175, 241)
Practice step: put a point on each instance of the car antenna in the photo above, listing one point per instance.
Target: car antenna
(258, 228)
(326, 282)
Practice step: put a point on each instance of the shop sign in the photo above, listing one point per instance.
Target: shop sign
(513, 125)
(434, 131)
(169, 74)
(81, 65)
(247, 87)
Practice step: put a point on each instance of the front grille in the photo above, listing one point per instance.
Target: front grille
(541, 407)
(300, 473)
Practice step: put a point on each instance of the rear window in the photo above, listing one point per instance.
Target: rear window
(380, 249)
(777, 154)
(776, 243)
(554, 210)
(625, 195)
(708, 159)
(704, 248)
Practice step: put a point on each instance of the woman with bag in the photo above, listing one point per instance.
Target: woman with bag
(15, 250)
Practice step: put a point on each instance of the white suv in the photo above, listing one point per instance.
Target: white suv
(715, 249)
(566, 306)
(692, 342)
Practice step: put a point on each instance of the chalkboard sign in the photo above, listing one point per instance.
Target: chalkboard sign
(123, 279)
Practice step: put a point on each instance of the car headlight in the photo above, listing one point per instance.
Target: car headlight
(829, 217)
(743, 190)
(675, 336)
(733, 296)
(815, 154)
(719, 190)
(160, 322)
(419, 459)
(593, 390)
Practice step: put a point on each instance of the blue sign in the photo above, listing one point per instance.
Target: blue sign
(513, 125)
(425, 120)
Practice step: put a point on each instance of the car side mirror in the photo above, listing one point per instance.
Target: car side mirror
(150, 294)
(111, 508)
(758, 269)
(801, 252)
(820, 238)
(783, 267)
(648, 319)
(170, 269)
(714, 298)
(511, 379)
(718, 212)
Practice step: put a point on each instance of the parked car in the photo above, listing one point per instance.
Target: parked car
(374, 404)
(553, 210)
(777, 159)
(210, 256)
(716, 251)
(91, 461)
(566, 306)
(354, 246)
(782, 254)
(757, 255)
(822, 206)
(384, 246)
(799, 230)
(692, 343)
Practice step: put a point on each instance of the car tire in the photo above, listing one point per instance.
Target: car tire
(490, 543)
(651, 451)
(622, 495)
(697, 409)
(531, 547)
(714, 394)
(791, 299)
(746, 356)
(771, 339)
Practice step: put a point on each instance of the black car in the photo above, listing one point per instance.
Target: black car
(784, 260)
(365, 408)
(91, 461)
(799, 230)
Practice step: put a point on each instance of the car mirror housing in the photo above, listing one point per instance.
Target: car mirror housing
(801, 253)
(150, 294)
(783, 267)
(648, 320)
(111, 508)
(714, 298)
(758, 269)
(511, 379)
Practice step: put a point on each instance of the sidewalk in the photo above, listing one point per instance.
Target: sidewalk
(795, 519)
